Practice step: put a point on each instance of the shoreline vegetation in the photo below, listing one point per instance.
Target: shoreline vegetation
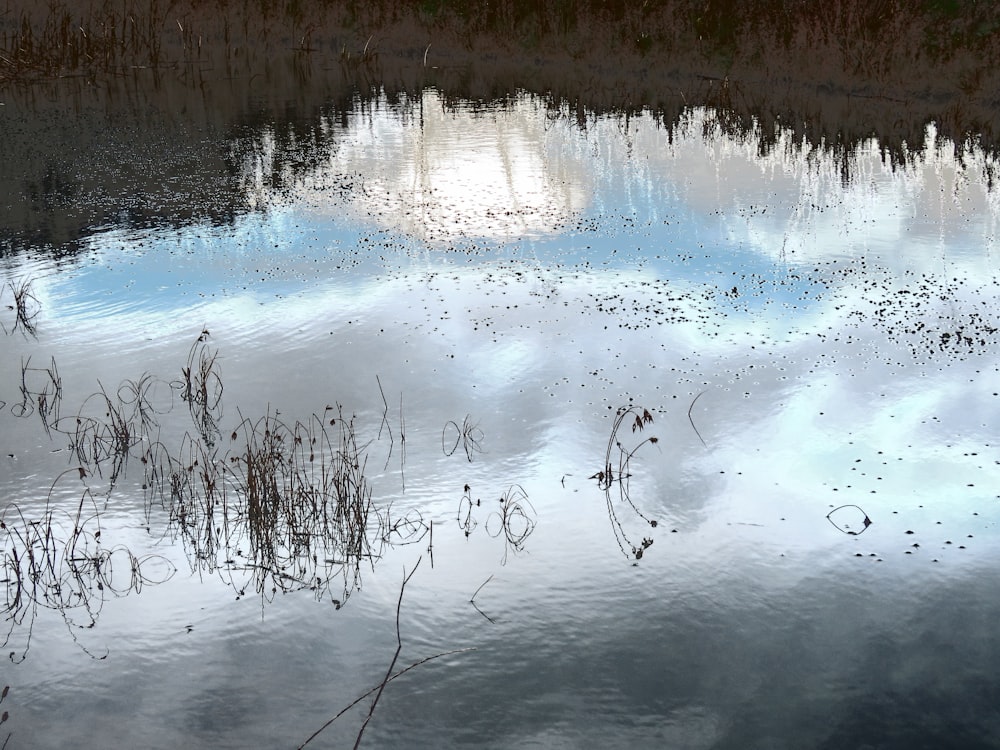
(842, 70)
(941, 54)
(834, 74)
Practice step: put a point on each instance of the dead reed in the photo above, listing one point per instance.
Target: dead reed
(466, 522)
(41, 393)
(392, 440)
(514, 521)
(286, 507)
(105, 429)
(850, 519)
(616, 475)
(56, 560)
(201, 388)
(468, 436)
(21, 301)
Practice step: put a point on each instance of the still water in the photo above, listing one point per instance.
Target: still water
(684, 441)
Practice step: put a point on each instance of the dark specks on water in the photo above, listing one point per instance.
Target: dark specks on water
(479, 293)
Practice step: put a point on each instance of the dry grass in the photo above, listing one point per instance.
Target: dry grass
(863, 44)
(287, 507)
(201, 388)
(615, 476)
(18, 297)
(54, 559)
(836, 73)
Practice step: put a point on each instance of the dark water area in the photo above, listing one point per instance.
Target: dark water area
(678, 418)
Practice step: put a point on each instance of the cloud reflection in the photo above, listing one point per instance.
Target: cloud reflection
(440, 172)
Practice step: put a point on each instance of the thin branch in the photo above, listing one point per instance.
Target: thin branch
(402, 442)
(360, 698)
(691, 419)
(385, 422)
(473, 599)
(392, 664)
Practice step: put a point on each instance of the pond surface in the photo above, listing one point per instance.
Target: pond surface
(677, 439)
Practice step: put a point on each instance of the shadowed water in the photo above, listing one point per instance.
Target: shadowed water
(478, 289)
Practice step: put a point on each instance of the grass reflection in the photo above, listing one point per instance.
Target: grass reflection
(201, 389)
(55, 560)
(614, 477)
(18, 297)
(514, 518)
(41, 393)
(286, 508)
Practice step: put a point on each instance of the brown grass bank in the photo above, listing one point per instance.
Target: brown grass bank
(840, 70)
(925, 47)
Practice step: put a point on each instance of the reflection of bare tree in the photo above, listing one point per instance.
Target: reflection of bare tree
(615, 476)
(56, 561)
(287, 508)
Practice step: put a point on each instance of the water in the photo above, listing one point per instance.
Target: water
(479, 289)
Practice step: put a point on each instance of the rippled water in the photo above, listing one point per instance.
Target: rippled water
(483, 288)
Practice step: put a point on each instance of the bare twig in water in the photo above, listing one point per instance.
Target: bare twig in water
(430, 544)
(392, 441)
(360, 698)
(481, 588)
(516, 518)
(844, 525)
(385, 422)
(612, 476)
(469, 436)
(389, 675)
(472, 601)
(402, 443)
(395, 657)
(691, 419)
